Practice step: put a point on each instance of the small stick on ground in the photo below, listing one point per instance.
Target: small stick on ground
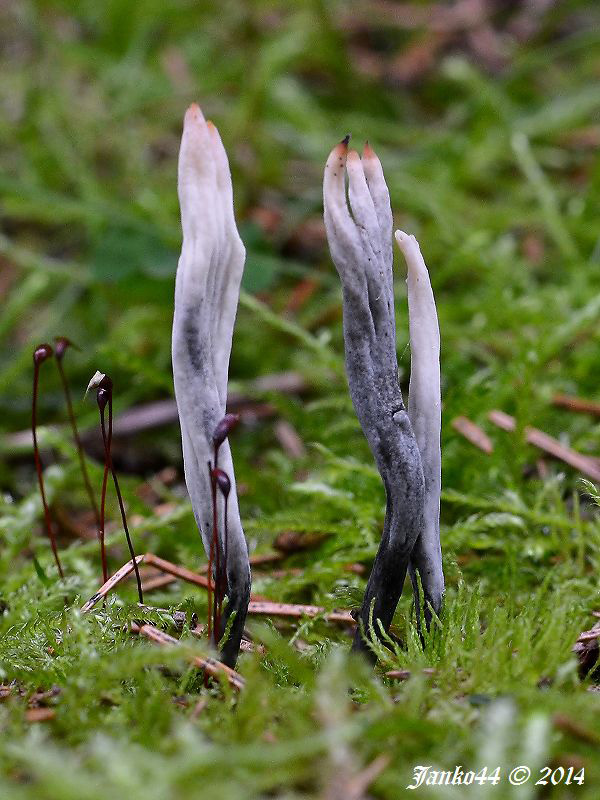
(110, 584)
(549, 444)
(577, 404)
(357, 785)
(199, 708)
(41, 353)
(176, 571)
(158, 581)
(39, 714)
(404, 674)
(181, 573)
(473, 433)
(266, 558)
(574, 728)
(246, 646)
(211, 666)
(258, 605)
(296, 611)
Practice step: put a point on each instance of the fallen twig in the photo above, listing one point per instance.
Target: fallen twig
(39, 714)
(178, 572)
(404, 674)
(289, 439)
(266, 558)
(296, 611)
(473, 433)
(199, 708)
(572, 403)
(164, 412)
(115, 579)
(181, 573)
(575, 729)
(258, 605)
(549, 445)
(246, 646)
(210, 665)
(158, 581)
(358, 784)
(289, 542)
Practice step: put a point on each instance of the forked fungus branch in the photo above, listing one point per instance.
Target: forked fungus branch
(405, 444)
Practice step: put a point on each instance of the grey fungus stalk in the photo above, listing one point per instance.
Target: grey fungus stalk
(359, 232)
(206, 298)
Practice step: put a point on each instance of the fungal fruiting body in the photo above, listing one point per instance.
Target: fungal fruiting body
(425, 413)
(206, 298)
(359, 233)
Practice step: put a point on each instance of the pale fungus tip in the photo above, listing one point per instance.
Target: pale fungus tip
(193, 115)
(405, 240)
(368, 151)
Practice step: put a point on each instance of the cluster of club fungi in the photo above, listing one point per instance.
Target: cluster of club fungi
(404, 441)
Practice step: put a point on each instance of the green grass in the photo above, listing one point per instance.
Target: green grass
(498, 176)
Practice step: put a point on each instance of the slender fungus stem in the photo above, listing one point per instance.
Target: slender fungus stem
(104, 398)
(206, 299)
(60, 348)
(424, 411)
(41, 353)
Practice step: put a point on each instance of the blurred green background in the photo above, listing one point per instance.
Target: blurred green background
(486, 116)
